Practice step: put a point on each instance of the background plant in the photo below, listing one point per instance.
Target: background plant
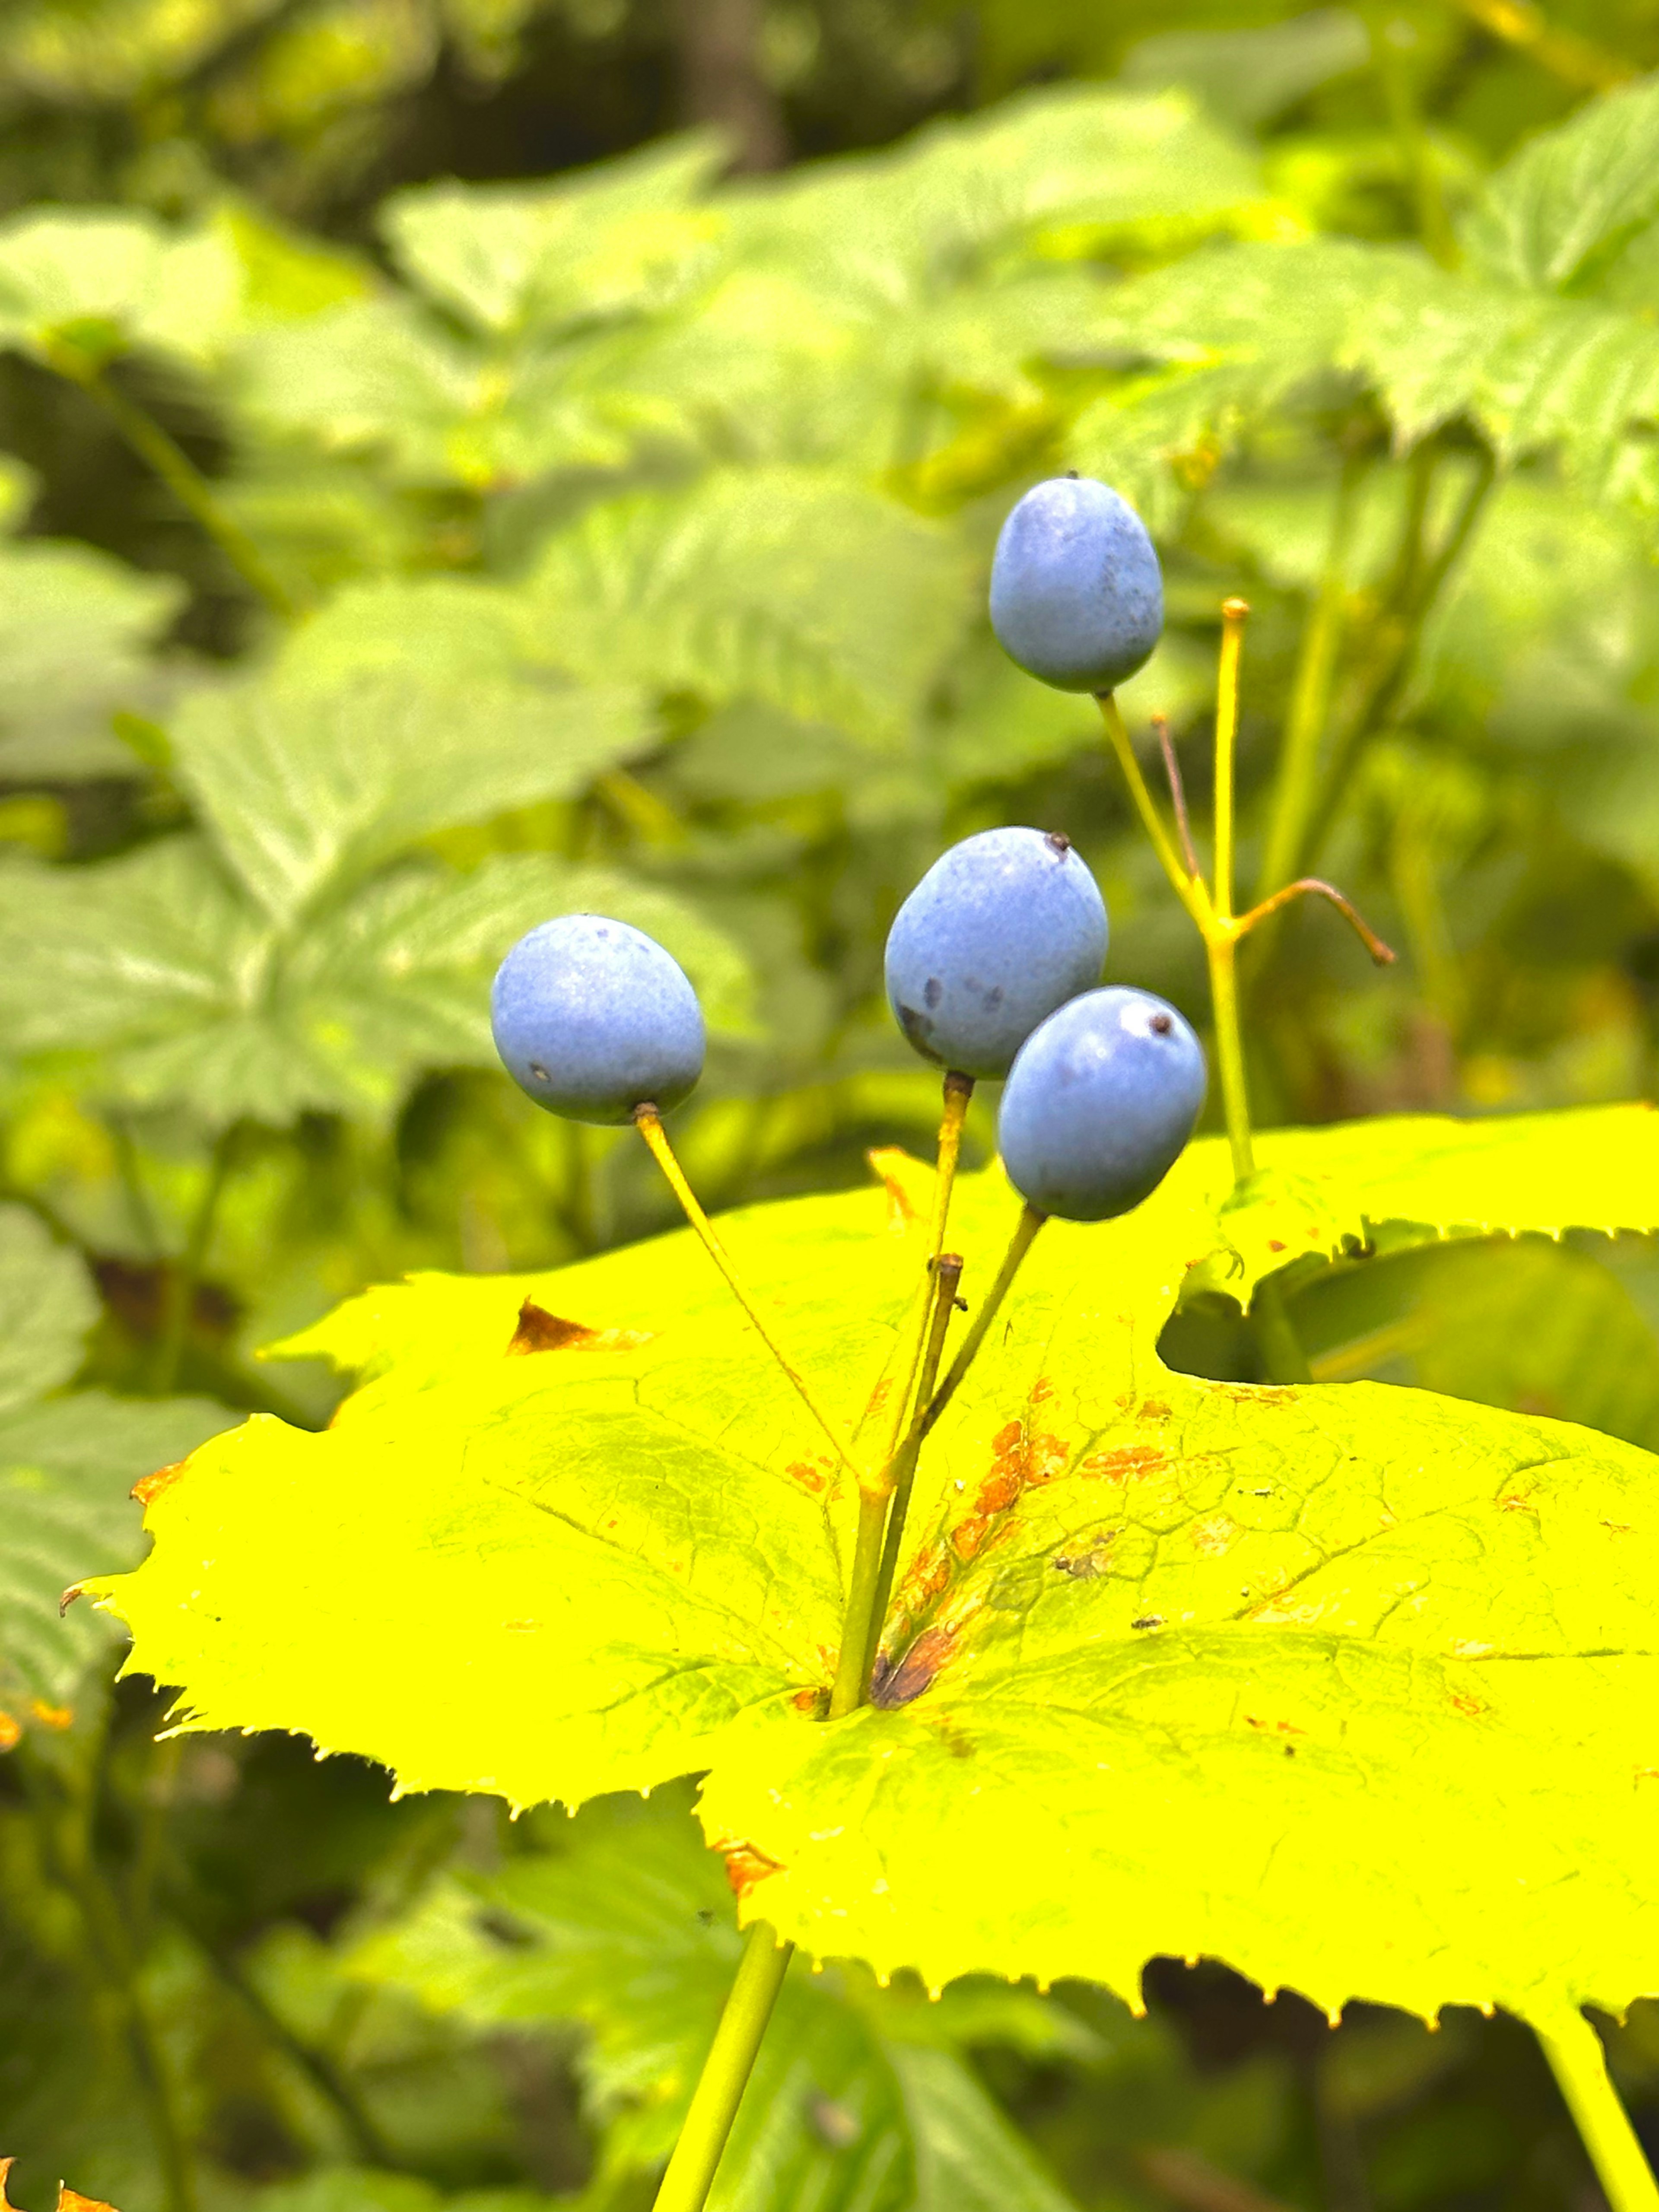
(621, 540)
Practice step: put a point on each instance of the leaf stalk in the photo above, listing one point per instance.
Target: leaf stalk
(648, 1122)
(1579, 2064)
(691, 2171)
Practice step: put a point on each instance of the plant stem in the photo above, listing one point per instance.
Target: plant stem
(1222, 958)
(857, 1623)
(1189, 889)
(725, 2072)
(649, 1122)
(1234, 615)
(1574, 2050)
(1415, 591)
(1220, 945)
(877, 1541)
(183, 1279)
(958, 1090)
(1398, 94)
(1019, 1244)
(948, 1275)
(182, 477)
(1310, 696)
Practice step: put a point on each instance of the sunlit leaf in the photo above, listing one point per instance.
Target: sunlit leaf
(1402, 1642)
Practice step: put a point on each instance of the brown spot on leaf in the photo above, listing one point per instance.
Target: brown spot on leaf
(809, 1476)
(808, 1701)
(541, 1331)
(968, 1535)
(152, 1485)
(1467, 1705)
(1275, 1244)
(1042, 1389)
(745, 1866)
(1257, 1394)
(1083, 1567)
(1118, 1466)
(1154, 1409)
(1214, 1535)
(899, 1683)
(1275, 1728)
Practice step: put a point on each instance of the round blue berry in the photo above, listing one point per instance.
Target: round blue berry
(1099, 1104)
(591, 1018)
(1077, 595)
(1004, 928)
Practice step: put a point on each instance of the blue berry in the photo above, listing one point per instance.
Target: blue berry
(1099, 1104)
(1004, 928)
(591, 1018)
(1076, 596)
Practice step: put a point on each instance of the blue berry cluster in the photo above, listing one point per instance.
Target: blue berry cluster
(995, 959)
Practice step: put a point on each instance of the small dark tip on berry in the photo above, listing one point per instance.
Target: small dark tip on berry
(539, 1071)
(1073, 474)
(1162, 1024)
(1058, 842)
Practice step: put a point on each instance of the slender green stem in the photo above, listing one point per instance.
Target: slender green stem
(857, 1623)
(139, 1209)
(114, 1965)
(1294, 783)
(1187, 888)
(725, 2072)
(1417, 591)
(1019, 1244)
(958, 1090)
(948, 1275)
(1234, 615)
(182, 477)
(649, 1122)
(876, 1542)
(1433, 224)
(1222, 957)
(1574, 2050)
(183, 1279)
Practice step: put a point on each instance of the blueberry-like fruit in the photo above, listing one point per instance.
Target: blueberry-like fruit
(1077, 595)
(591, 1018)
(1004, 928)
(1099, 1104)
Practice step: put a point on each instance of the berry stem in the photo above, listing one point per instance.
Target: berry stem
(1382, 954)
(193, 490)
(872, 1579)
(725, 2071)
(649, 1122)
(1189, 889)
(1574, 2050)
(1235, 613)
(1177, 795)
(958, 1090)
(1222, 954)
(1019, 1245)
(947, 1275)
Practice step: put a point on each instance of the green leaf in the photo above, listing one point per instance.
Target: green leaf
(46, 1307)
(97, 282)
(400, 710)
(1243, 328)
(620, 235)
(861, 2096)
(1596, 1167)
(1351, 1686)
(66, 1467)
(789, 585)
(73, 627)
(1561, 207)
(1248, 77)
(164, 980)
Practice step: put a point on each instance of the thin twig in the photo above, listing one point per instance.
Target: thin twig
(1383, 955)
(649, 1122)
(1177, 792)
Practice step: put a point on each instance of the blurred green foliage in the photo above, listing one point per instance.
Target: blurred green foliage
(390, 561)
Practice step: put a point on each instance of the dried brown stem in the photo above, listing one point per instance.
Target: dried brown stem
(1384, 954)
